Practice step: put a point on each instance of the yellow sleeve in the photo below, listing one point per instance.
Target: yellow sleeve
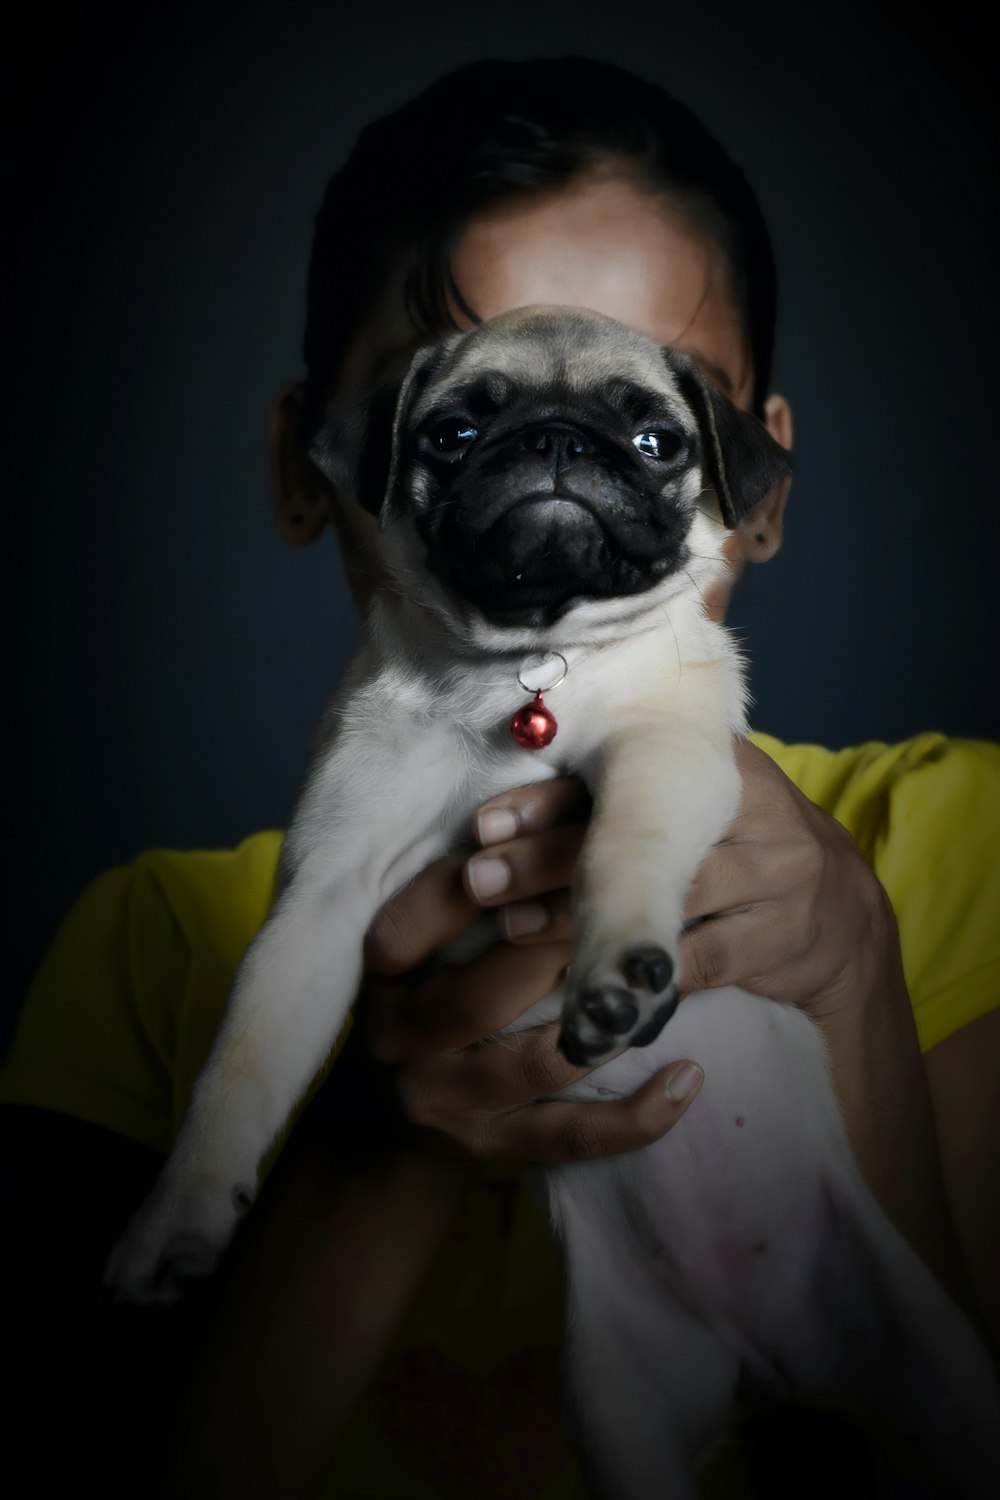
(124, 1008)
(93, 1038)
(939, 859)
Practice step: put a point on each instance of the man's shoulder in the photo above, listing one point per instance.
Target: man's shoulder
(194, 900)
(225, 892)
(131, 991)
(252, 861)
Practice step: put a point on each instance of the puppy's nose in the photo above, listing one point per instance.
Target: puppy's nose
(563, 444)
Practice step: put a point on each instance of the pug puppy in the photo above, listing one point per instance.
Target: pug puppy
(553, 491)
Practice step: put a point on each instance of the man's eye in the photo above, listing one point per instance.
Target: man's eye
(662, 444)
(450, 436)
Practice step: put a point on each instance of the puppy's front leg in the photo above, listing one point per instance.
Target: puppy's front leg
(664, 792)
(291, 996)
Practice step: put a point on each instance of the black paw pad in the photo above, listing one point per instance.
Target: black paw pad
(609, 1009)
(648, 968)
(657, 1021)
(580, 1053)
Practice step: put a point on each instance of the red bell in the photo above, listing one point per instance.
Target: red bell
(533, 726)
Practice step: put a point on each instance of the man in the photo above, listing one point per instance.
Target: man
(570, 183)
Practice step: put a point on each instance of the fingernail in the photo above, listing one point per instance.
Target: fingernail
(487, 877)
(524, 917)
(684, 1081)
(496, 825)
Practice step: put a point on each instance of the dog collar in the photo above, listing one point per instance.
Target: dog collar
(534, 726)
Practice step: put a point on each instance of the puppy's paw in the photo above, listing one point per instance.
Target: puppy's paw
(176, 1237)
(627, 1007)
(648, 968)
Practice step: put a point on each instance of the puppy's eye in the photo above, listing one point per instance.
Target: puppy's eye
(450, 437)
(662, 444)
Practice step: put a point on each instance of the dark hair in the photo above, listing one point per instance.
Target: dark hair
(494, 129)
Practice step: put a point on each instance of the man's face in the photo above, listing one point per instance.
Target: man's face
(602, 241)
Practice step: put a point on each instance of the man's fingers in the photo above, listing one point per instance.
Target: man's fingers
(500, 1074)
(534, 857)
(429, 912)
(556, 1132)
(734, 876)
(738, 948)
(544, 920)
(462, 1005)
(531, 809)
(528, 866)
(457, 1007)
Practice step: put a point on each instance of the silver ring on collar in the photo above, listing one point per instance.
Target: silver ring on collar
(542, 672)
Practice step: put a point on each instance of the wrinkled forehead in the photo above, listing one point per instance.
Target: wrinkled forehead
(552, 349)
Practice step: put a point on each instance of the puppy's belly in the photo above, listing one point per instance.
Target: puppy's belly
(731, 1208)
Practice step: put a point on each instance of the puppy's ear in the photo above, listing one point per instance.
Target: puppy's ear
(740, 458)
(424, 365)
(357, 445)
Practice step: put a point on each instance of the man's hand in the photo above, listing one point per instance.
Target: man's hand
(490, 1098)
(785, 904)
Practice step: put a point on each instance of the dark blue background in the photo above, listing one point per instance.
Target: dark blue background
(173, 656)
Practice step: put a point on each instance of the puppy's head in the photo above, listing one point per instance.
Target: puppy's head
(551, 460)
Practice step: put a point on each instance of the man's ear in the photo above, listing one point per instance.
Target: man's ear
(302, 498)
(740, 458)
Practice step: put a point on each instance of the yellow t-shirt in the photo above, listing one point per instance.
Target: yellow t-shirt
(124, 1008)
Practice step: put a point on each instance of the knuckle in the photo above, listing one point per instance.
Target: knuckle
(479, 1139)
(581, 1137)
(873, 914)
(812, 858)
(801, 940)
(831, 840)
(646, 1124)
(391, 943)
(538, 1066)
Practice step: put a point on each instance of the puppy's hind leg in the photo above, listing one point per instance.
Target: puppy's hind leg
(649, 1385)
